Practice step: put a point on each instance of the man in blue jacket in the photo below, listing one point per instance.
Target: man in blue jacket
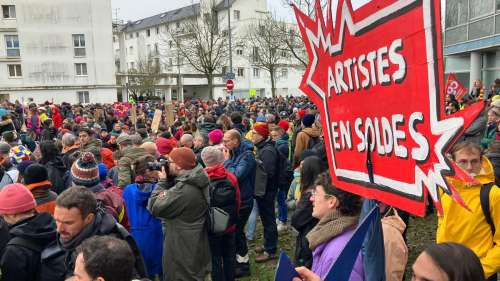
(240, 161)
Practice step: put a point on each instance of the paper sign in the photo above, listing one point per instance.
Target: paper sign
(133, 114)
(376, 76)
(285, 270)
(169, 109)
(156, 121)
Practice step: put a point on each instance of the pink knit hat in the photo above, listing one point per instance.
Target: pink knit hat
(16, 199)
(164, 146)
(215, 136)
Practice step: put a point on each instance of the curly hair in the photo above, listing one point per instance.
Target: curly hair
(349, 203)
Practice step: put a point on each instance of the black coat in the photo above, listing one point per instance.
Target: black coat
(303, 222)
(267, 153)
(22, 262)
(56, 170)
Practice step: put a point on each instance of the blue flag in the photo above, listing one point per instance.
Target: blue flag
(342, 268)
(285, 270)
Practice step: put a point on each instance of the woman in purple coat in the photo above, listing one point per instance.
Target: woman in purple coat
(338, 214)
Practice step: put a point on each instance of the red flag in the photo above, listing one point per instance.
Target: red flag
(454, 87)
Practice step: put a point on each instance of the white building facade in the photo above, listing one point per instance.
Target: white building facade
(57, 50)
(150, 37)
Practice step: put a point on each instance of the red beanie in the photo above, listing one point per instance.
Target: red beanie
(301, 113)
(262, 129)
(107, 157)
(164, 146)
(184, 158)
(283, 124)
(16, 199)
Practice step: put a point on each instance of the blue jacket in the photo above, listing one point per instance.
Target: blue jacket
(145, 228)
(242, 165)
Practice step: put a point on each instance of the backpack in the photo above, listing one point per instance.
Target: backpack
(484, 197)
(216, 219)
(261, 176)
(313, 141)
(285, 170)
(223, 196)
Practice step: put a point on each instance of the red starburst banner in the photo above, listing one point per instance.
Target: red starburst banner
(376, 75)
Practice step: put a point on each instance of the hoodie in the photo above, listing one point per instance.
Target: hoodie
(469, 227)
(302, 142)
(144, 227)
(20, 263)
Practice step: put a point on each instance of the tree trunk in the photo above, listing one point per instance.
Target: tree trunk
(210, 79)
(273, 82)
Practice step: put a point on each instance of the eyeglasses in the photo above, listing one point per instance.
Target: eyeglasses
(314, 193)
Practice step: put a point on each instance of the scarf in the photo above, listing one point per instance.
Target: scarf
(328, 227)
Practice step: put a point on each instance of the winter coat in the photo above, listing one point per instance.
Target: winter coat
(303, 222)
(183, 209)
(469, 227)
(302, 142)
(59, 257)
(9, 174)
(145, 228)
(69, 153)
(495, 161)
(56, 117)
(325, 255)
(22, 262)
(125, 174)
(219, 173)
(241, 128)
(205, 128)
(242, 164)
(91, 145)
(44, 196)
(396, 251)
(56, 170)
(267, 153)
(48, 134)
(489, 135)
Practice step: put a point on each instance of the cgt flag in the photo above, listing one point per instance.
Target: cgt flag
(376, 76)
(454, 87)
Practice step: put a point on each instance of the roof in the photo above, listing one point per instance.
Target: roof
(170, 16)
(222, 5)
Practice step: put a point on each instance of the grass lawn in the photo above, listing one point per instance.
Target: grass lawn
(420, 233)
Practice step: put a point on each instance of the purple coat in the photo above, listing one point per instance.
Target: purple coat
(327, 253)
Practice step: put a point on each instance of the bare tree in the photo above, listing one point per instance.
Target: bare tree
(268, 47)
(144, 77)
(202, 44)
(306, 6)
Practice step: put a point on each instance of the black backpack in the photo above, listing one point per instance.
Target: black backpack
(285, 170)
(223, 196)
(484, 197)
(313, 141)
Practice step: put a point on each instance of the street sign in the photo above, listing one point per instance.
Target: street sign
(229, 76)
(229, 85)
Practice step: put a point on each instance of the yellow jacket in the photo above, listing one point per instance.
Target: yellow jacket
(470, 228)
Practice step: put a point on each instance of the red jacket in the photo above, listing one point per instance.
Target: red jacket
(219, 172)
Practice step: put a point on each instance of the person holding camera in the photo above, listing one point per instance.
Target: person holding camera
(183, 209)
(146, 229)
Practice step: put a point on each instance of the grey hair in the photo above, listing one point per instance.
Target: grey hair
(212, 155)
(68, 139)
(186, 137)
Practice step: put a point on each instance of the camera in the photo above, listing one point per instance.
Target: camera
(157, 165)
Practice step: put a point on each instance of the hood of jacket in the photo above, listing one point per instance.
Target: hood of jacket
(395, 222)
(485, 176)
(195, 177)
(40, 228)
(245, 145)
(144, 191)
(312, 132)
(283, 140)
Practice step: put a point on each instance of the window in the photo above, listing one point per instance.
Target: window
(284, 72)
(81, 69)
(255, 54)
(178, 25)
(224, 70)
(157, 30)
(256, 72)
(148, 32)
(83, 96)
(284, 54)
(170, 44)
(131, 50)
(236, 15)
(137, 34)
(79, 44)
(9, 11)
(170, 62)
(156, 49)
(132, 65)
(241, 72)
(15, 70)
(481, 8)
(12, 42)
(239, 52)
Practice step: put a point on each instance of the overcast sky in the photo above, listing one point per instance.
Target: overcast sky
(135, 9)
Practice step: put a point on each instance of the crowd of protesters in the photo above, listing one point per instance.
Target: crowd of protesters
(92, 191)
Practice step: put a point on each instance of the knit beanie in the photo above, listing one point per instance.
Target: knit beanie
(16, 199)
(85, 171)
(35, 173)
(308, 120)
(283, 124)
(164, 146)
(21, 167)
(184, 158)
(215, 136)
(262, 129)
